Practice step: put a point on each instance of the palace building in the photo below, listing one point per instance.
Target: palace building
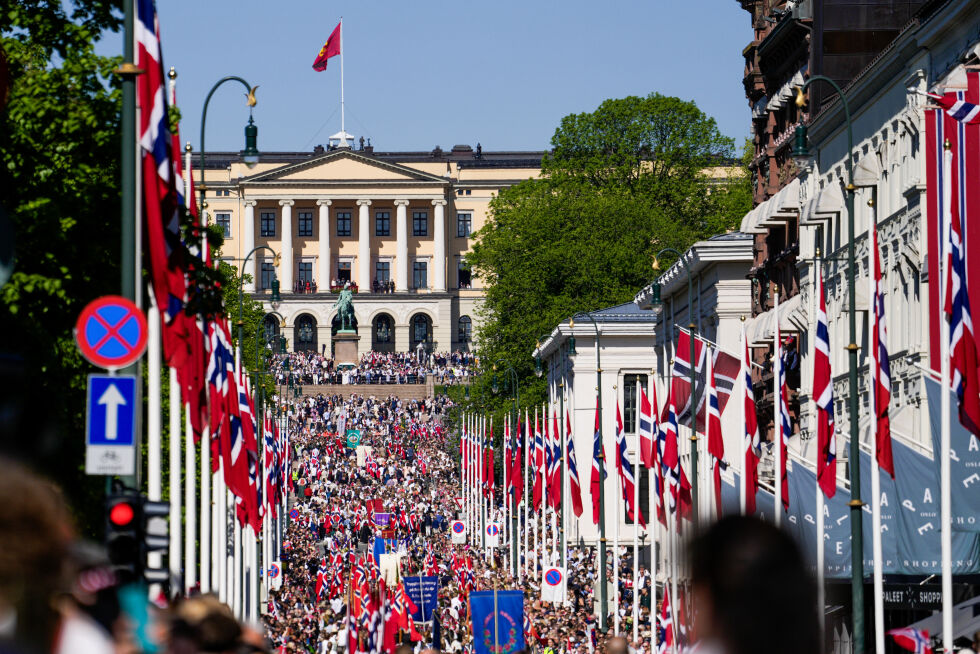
(396, 226)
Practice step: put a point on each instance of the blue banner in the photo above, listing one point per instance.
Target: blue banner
(384, 546)
(964, 464)
(508, 617)
(424, 592)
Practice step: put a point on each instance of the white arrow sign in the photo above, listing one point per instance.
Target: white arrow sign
(112, 399)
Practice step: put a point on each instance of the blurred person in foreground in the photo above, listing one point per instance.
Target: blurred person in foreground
(752, 591)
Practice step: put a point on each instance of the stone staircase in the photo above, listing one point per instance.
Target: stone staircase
(404, 391)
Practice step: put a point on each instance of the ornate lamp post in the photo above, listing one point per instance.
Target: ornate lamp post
(801, 153)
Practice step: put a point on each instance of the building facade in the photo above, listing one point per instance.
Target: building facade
(395, 226)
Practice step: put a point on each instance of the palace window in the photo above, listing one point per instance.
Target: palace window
(267, 224)
(465, 329)
(420, 277)
(268, 274)
(382, 271)
(305, 223)
(631, 400)
(343, 223)
(343, 271)
(224, 222)
(382, 223)
(464, 224)
(420, 223)
(305, 271)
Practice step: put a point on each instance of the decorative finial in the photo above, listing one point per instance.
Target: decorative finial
(172, 74)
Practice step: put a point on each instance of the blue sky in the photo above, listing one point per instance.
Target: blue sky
(437, 72)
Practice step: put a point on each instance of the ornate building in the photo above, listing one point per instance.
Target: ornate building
(396, 226)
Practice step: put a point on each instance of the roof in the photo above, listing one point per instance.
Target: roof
(625, 319)
(464, 159)
(626, 312)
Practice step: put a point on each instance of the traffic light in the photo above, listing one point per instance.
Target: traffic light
(135, 526)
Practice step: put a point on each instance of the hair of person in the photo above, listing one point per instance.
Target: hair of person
(762, 598)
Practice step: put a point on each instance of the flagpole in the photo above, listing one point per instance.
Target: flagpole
(153, 415)
(190, 460)
(205, 499)
(637, 470)
(506, 448)
(746, 444)
(176, 535)
(343, 127)
(820, 499)
(945, 487)
(777, 410)
(879, 602)
(672, 529)
(527, 501)
(544, 502)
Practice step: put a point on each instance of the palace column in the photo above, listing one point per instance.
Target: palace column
(439, 253)
(248, 242)
(401, 246)
(323, 265)
(363, 247)
(286, 266)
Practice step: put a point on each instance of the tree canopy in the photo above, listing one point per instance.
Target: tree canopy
(622, 182)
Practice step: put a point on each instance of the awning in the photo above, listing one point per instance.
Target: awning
(792, 318)
(786, 92)
(785, 204)
(749, 224)
(823, 206)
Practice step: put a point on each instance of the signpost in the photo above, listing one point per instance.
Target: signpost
(110, 425)
(111, 332)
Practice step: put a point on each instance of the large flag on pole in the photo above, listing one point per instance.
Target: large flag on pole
(517, 467)
(753, 445)
(716, 443)
(823, 394)
(648, 427)
(598, 467)
(881, 383)
(575, 488)
(330, 49)
(627, 480)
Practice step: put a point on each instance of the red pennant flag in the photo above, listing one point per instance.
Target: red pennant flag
(330, 49)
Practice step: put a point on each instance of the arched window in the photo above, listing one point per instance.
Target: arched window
(306, 333)
(465, 329)
(421, 326)
(383, 334)
(270, 325)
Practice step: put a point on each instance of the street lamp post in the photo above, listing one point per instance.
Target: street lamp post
(517, 418)
(250, 154)
(241, 282)
(603, 590)
(692, 402)
(800, 153)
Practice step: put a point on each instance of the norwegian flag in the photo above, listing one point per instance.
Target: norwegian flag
(665, 625)
(537, 491)
(575, 488)
(516, 476)
(554, 473)
(957, 108)
(670, 459)
(716, 443)
(753, 444)
(962, 346)
(725, 366)
(627, 481)
(648, 427)
(491, 475)
(912, 640)
(785, 426)
(598, 466)
(880, 368)
(823, 392)
(464, 450)
(322, 578)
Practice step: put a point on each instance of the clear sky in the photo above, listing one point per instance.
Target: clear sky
(439, 72)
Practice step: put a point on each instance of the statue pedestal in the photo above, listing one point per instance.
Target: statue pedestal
(345, 349)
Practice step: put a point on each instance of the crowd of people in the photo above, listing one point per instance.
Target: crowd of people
(374, 368)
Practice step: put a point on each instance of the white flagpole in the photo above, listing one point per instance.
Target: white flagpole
(504, 531)
(565, 491)
(820, 499)
(945, 491)
(206, 522)
(544, 500)
(343, 126)
(527, 501)
(615, 576)
(879, 602)
(777, 413)
(672, 529)
(637, 471)
(465, 477)
(190, 504)
(745, 444)
(176, 535)
(153, 426)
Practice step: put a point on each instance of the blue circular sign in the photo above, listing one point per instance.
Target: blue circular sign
(274, 571)
(458, 527)
(294, 514)
(553, 577)
(111, 332)
(492, 530)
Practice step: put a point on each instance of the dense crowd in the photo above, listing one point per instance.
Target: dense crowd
(374, 368)
(406, 469)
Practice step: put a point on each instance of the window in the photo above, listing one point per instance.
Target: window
(644, 492)
(420, 277)
(382, 223)
(222, 193)
(421, 329)
(305, 223)
(383, 329)
(465, 329)
(464, 224)
(343, 271)
(268, 274)
(305, 271)
(382, 271)
(630, 401)
(463, 276)
(343, 223)
(267, 224)
(420, 223)
(224, 222)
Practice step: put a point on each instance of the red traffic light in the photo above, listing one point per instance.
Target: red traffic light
(121, 514)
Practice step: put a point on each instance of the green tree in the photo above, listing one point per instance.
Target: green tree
(59, 184)
(636, 175)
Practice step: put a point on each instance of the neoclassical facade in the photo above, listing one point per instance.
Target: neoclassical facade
(396, 226)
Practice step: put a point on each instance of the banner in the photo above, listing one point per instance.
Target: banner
(508, 636)
(458, 527)
(424, 593)
(493, 534)
(389, 565)
(964, 464)
(554, 586)
(382, 519)
(384, 546)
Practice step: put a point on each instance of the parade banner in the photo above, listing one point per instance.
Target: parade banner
(384, 546)
(458, 529)
(503, 609)
(964, 462)
(389, 565)
(424, 593)
(554, 588)
(382, 519)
